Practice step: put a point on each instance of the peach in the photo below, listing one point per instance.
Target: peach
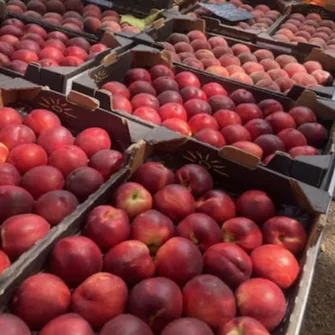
(302, 114)
(227, 60)
(272, 261)
(91, 24)
(196, 35)
(280, 121)
(9, 175)
(207, 62)
(327, 23)
(187, 326)
(199, 54)
(277, 74)
(24, 55)
(209, 299)
(248, 111)
(255, 205)
(240, 48)
(234, 69)
(71, 61)
(212, 89)
(54, 138)
(202, 121)
(131, 261)
(67, 322)
(11, 324)
(259, 75)
(251, 67)
(221, 260)
(27, 45)
(10, 39)
(161, 71)
(54, 206)
(242, 231)
(269, 64)
(97, 48)
(183, 47)
(51, 53)
(285, 84)
(247, 57)
(284, 60)
(304, 79)
(322, 77)
(249, 147)
(286, 32)
(315, 133)
(27, 156)
(218, 70)
(305, 150)
(215, 41)
(221, 50)
(74, 259)
(13, 135)
(262, 54)
(157, 301)
(79, 42)
(270, 144)
(177, 37)
(4, 60)
(49, 179)
(318, 42)
(262, 300)
(75, 51)
(281, 37)
(125, 324)
(58, 44)
(99, 298)
(188, 260)
(298, 16)
(143, 99)
(291, 27)
(11, 30)
(198, 45)
(268, 84)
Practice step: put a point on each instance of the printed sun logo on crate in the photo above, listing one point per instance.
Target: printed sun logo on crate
(205, 161)
(99, 76)
(56, 105)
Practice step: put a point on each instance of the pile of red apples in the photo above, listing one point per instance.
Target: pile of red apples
(211, 115)
(172, 256)
(310, 28)
(45, 172)
(238, 62)
(71, 14)
(264, 16)
(21, 44)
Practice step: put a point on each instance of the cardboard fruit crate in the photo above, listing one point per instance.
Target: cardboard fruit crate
(154, 36)
(291, 197)
(326, 14)
(76, 112)
(59, 78)
(220, 26)
(316, 170)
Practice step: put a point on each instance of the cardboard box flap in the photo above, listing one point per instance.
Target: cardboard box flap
(323, 108)
(109, 39)
(326, 58)
(188, 24)
(109, 59)
(158, 23)
(239, 156)
(83, 100)
(144, 56)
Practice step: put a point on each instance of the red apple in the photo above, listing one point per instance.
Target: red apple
(46, 291)
(107, 226)
(209, 299)
(157, 301)
(100, 298)
(242, 231)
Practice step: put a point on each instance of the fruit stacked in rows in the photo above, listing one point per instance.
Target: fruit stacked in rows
(263, 18)
(171, 257)
(71, 14)
(238, 62)
(213, 116)
(310, 28)
(21, 44)
(44, 174)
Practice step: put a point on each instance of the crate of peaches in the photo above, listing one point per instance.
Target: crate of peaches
(305, 24)
(56, 152)
(175, 248)
(49, 56)
(269, 66)
(291, 137)
(265, 16)
(85, 18)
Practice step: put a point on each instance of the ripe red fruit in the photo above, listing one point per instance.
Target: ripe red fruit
(137, 74)
(41, 119)
(83, 181)
(131, 261)
(163, 84)
(115, 87)
(305, 150)
(209, 299)
(270, 144)
(191, 92)
(245, 324)
(197, 106)
(210, 136)
(153, 176)
(270, 106)
(242, 231)
(156, 301)
(100, 298)
(248, 111)
(175, 201)
(26, 56)
(292, 138)
(4, 264)
(169, 96)
(13, 325)
(67, 322)
(315, 133)
(51, 53)
(141, 86)
(202, 121)
(27, 156)
(54, 206)
(212, 89)
(262, 300)
(218, 102)
(125, 324)
(13, 135)
(172, 110)
(144, 100)
(178, 126)
(74, 259)
(258, 127)
(161, 71)
(9, 175)
(235, 133)
(255, 205)
(272, 261)
(187, 326)
(9, 116)
(187, 78)
(107, 226)
(280, 121)
(53, 298)
(302, 114)
(120, 103)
